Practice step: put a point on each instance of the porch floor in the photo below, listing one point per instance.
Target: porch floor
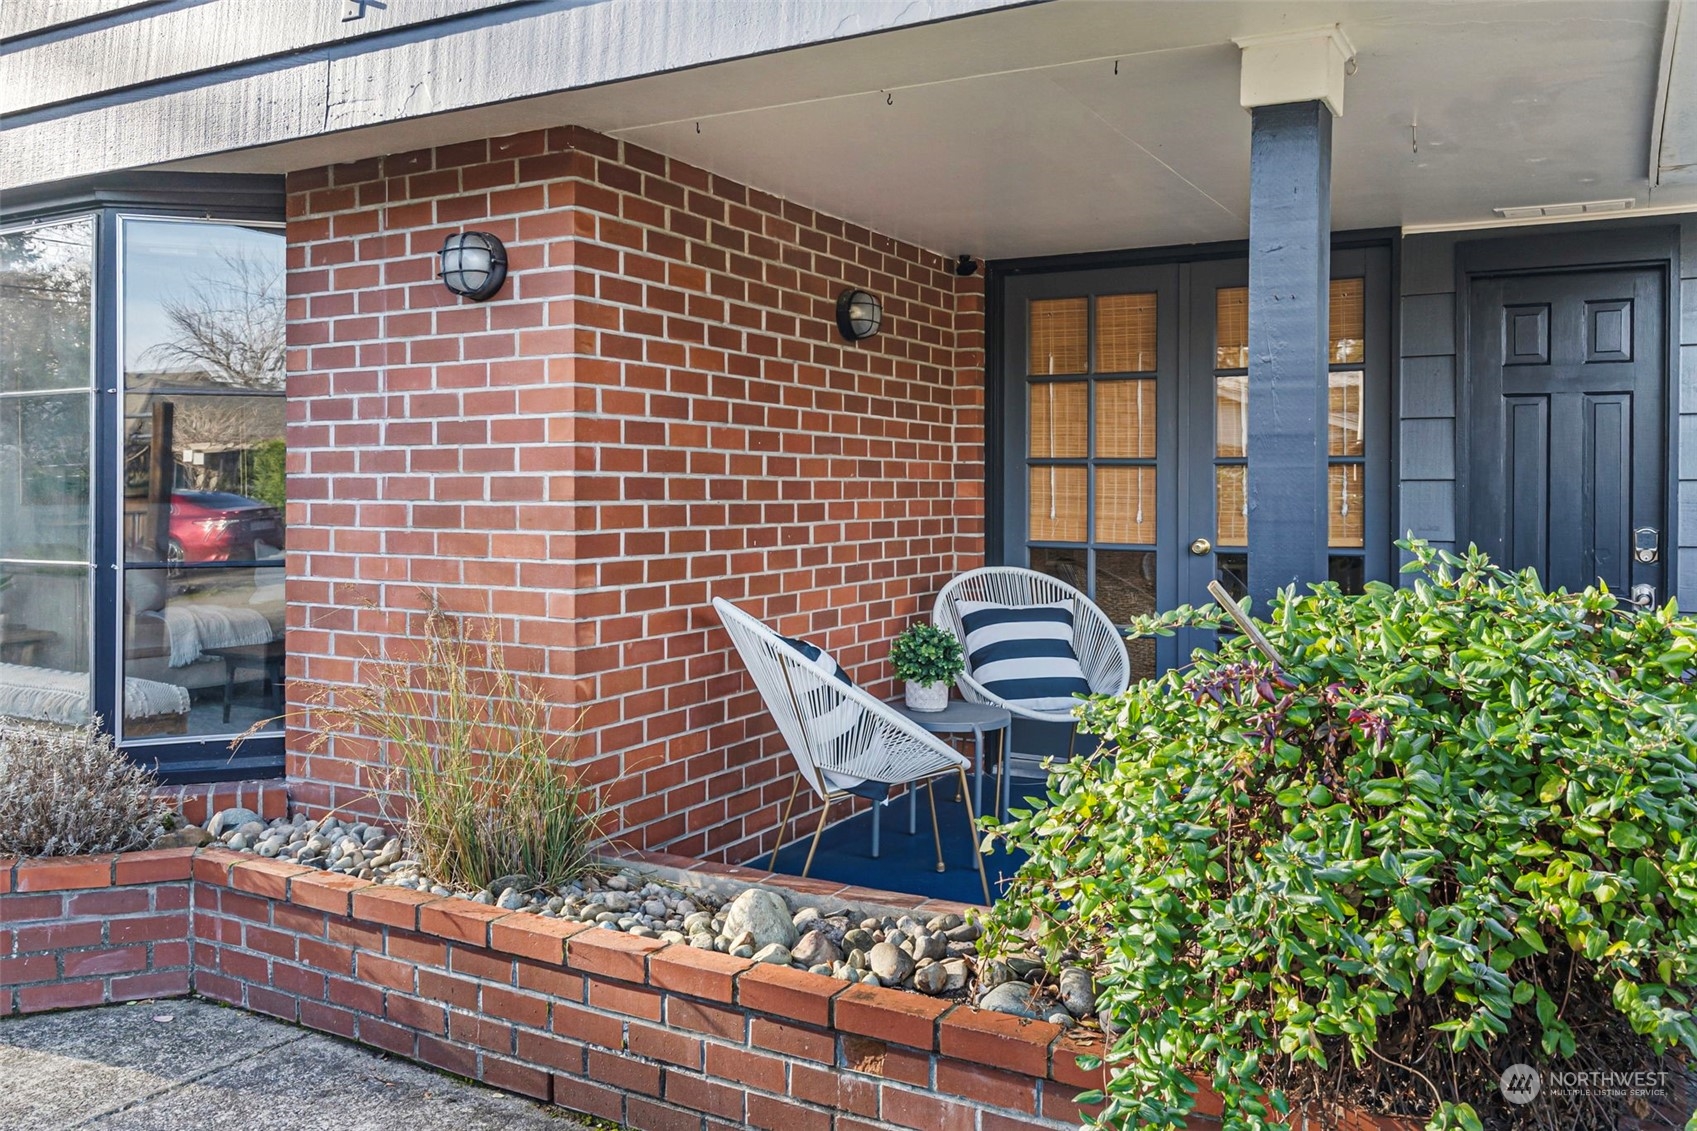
(905, 863)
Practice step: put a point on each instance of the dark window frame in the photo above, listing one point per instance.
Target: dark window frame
(239, 199)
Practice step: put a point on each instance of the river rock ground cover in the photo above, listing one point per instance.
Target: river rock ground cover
(937, 956)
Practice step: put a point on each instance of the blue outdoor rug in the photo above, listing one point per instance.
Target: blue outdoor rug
(906, 863)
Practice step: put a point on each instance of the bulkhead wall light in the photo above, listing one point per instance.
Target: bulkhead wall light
(859, 314)
(474, 265)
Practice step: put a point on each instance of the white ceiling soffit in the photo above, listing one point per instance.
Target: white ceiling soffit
(1077, 126)
(1673, 139)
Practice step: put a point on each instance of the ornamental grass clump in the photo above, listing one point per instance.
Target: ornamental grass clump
(1451, 833)
(489, 790)
(66, 791)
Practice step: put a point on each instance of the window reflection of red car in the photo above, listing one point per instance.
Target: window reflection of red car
(216, 526)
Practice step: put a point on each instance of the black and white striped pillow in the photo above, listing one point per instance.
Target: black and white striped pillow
(834, 718)
(1023, 654)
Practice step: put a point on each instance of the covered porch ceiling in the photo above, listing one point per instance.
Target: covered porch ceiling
(1079, 125)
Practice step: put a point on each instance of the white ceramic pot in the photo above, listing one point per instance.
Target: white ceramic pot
(927, 696)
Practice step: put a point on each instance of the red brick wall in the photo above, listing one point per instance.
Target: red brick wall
(655, 411)
(90, 930)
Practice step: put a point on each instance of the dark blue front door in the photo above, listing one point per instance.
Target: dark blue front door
(1567, 437)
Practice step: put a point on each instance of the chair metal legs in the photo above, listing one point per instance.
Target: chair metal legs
(783, 826)
(936, 827)
(824, 815)
(936, 833)
(972, 834)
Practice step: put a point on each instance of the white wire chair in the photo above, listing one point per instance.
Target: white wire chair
(1096, 642)
(839, 736)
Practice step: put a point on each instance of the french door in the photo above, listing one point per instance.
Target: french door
(1126, 464)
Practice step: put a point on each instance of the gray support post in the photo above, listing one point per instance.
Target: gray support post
(1290, 263)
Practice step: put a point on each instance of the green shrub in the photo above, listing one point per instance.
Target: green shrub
(1454, 832)
(489, 790)
(924, 653)
(65, 791)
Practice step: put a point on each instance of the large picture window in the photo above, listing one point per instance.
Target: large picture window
(142, 486)
(203, 495)
(46, 418)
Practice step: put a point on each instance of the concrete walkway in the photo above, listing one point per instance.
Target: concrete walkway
(185, 1063)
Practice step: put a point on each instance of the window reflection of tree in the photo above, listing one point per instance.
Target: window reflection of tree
(224, 336)
(45, 278)
(229, 325)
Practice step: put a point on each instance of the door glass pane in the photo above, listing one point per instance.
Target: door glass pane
(1060, 336)
(46, 319)
(44, 476)
(1231, 503)
(1349, 571)
(215, 492)
(1347, 343)
(1065, 562)
(1348, 321)
(1125, 419)
(1231, 328)
(203, 650)
(1233, 573)
(1344, 436)
(1058, 510)
(1125, 588)
(1125, 334)
(1059, 420)
(1125, 504)
(1343, 499)
(44, 642)
(1231, 419)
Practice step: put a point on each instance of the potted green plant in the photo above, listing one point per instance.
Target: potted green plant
(928, 658)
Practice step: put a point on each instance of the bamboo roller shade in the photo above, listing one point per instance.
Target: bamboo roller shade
(1346, 526)
(1347, 316)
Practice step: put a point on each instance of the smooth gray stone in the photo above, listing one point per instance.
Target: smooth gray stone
(1015, 998)
(1078, 991)
(765, 915)
(226, 820)
(892, 964)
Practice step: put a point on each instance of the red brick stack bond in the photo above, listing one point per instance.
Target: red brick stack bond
(656, 410)
(90, 930)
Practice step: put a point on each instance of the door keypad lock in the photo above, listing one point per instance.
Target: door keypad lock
(1646, 544)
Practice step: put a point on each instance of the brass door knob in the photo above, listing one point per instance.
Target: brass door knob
(1201, 546)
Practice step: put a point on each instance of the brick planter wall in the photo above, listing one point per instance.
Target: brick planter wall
(89, 930)
(656, 410)
(658, 1037)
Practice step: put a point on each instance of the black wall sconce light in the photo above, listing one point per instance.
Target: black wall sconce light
(859, 315)
(474, 265)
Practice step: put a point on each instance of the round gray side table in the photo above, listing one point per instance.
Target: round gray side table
(976, 719)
